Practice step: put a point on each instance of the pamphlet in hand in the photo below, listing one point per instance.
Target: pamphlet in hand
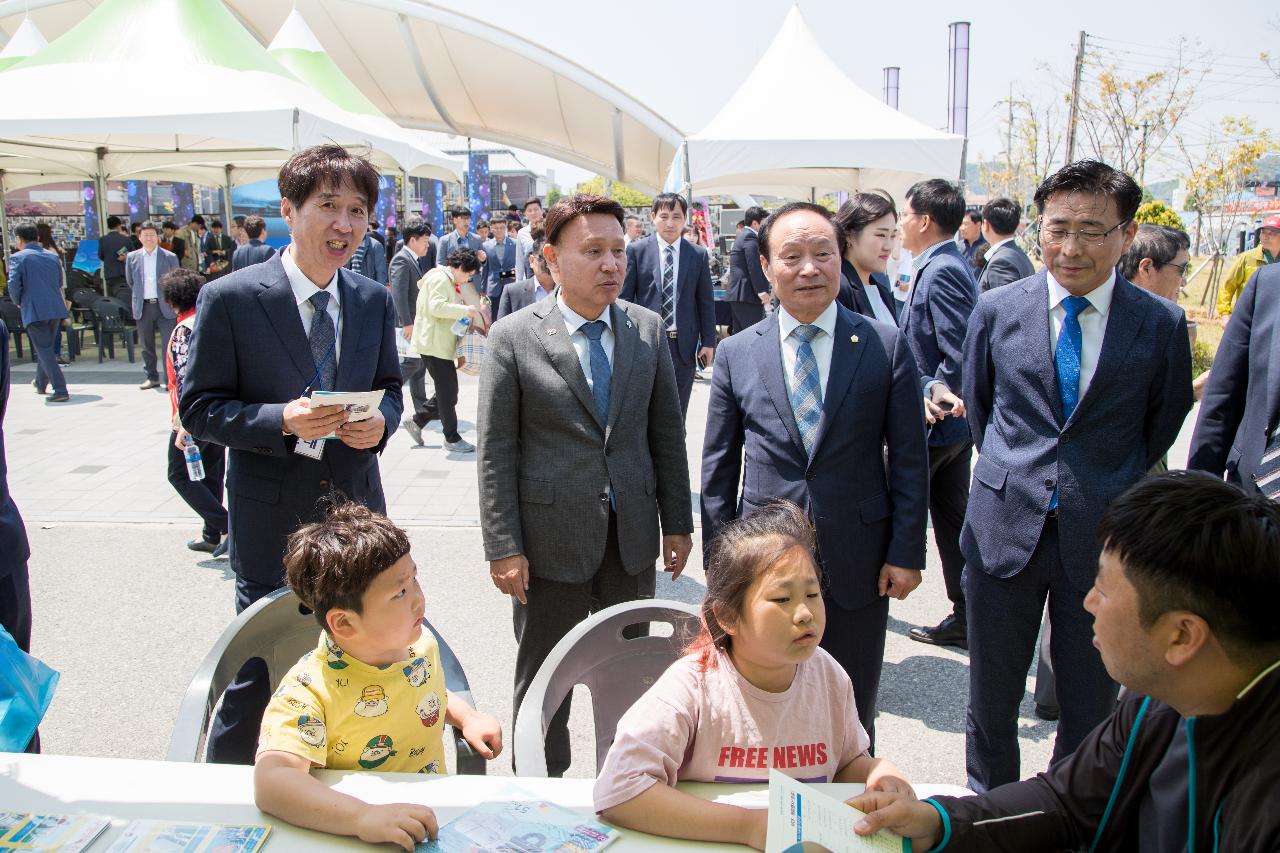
(360, 404)
(48, 832)
(162, 836)
(803, 818)
(520, 824)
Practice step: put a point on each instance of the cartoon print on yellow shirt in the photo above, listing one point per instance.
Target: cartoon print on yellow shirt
(376, 752)
(429, 709)
(372, 702)
(312, 730)
(418, 671)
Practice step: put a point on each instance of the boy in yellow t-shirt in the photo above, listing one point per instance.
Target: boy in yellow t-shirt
(371, 695)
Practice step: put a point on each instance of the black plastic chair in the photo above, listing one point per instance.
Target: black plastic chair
(83, 297)
(277, 630)
(112, 317)
(78, 279)
(12, 316)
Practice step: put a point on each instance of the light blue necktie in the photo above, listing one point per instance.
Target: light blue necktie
(601, 373)
(1066, 359)
(806, 390)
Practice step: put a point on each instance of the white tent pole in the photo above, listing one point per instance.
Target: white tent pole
(4, 224)
(226, 196)
(688, 179)
(296, 119)
(404, 198)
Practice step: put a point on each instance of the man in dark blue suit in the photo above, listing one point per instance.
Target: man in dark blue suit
(1236, 433)
(808, 402)
(1076, 383)
(500, 262)
(255, 251)
(934, 321)
(672, 278)
(748, 290)
(265, 338)
(35, 286)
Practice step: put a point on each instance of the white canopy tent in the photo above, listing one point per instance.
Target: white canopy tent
(426, 65)
(254, 115)
(797, 126)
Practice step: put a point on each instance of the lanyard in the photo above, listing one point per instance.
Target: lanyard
(306, 392)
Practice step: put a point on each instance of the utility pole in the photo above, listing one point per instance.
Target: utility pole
(1142, 163)
(1075, 100)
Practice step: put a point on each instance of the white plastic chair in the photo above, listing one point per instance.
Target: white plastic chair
(278, 630)
(616, 670)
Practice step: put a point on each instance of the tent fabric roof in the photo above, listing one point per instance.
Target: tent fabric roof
(26, 41)
(426, 65)
(268, 113)
(798, 123)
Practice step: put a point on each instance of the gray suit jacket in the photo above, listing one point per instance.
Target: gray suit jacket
(516, 296)
(135, 275)
(546, 462)
(1005, 266)
(403, 277)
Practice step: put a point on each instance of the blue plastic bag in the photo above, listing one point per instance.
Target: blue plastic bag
(26, 690)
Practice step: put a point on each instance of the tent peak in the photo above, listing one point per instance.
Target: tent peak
(294, 33)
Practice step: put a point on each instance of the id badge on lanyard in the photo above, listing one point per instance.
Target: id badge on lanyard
(315, 449)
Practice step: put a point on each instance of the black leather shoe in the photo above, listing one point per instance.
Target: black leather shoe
(59, 398)
(39, 390)
(949, 632)
(1046, 713)
(202, 545)
(221, 550)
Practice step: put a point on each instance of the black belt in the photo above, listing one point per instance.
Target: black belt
(672, 334)
(1053, 514)
(151, 301)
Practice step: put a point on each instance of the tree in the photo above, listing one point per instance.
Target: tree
(554, 194)
(1034, 130)
(619, 192)
(1158, 213)
(1216, 181)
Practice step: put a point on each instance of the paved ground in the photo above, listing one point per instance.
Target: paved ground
(126, 612)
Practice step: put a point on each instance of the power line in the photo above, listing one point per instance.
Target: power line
(1165, 49)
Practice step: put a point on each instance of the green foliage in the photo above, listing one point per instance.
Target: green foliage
(1157, 212)
(1201, 357)
(619, 192)
(554, 194)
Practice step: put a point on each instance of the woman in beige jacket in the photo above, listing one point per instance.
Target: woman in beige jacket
(438, 309)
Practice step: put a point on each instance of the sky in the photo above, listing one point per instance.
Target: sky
(685, 59)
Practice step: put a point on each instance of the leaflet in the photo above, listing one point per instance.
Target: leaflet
(48, 832)
(522, 824)
(802, 818)
(162, 836)
(360, 404)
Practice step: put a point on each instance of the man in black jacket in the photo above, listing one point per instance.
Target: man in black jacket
(748, 290)
(1190, 760)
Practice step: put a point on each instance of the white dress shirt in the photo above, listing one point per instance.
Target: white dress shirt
(1093, 324)
(919, 260)
(574, 322)
(822, 345)
(995, 247)
(303, 289)
(150, 289)
(878, 308)
(663, 245)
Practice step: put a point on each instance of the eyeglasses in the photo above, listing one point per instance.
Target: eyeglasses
(1058, 236)
(1181, 268)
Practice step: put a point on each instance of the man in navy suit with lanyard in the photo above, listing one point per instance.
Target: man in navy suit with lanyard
(672, 278)
(265, 337)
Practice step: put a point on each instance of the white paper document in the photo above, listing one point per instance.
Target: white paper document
(360, 404)
(803, 818)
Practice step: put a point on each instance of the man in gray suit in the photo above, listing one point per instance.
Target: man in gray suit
(405, 273)
(1006, 262)
(524, 293)
(580, 457)
(143, 269)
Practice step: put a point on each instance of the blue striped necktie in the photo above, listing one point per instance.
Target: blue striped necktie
(806, 389)
(1066, 360)
(322, 338)
(601, 372)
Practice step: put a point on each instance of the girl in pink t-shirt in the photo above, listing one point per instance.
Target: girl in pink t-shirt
(753, 693)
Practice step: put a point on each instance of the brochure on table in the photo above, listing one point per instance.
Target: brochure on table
(519, 821)
(48, 832)
(802, 818)
(163, 836)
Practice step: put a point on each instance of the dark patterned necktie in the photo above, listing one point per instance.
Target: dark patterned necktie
(601, 372)
(323, 338)
(668, 288)
(1267, 478)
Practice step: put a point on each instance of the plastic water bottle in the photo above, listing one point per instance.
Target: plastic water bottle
(461, 326)
(195, 465)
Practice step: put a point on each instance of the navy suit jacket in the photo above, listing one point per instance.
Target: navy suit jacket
(1138, 397)
(866, 513)
(498, 258)
(518, 295)
(746, 276)
(253, 252)
(1005, 266)
(695, 300)
(249, 357)
(35, 285)
(854, 296)
(14, 549)
(934, 320)
(1242, 399)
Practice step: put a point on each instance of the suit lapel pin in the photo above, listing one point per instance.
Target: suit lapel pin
(628, 324)
(551, 331)
(853, 339)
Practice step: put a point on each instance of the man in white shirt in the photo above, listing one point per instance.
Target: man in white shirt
(524, 238)
(1076, 383)
(143, 269)
(804, 406)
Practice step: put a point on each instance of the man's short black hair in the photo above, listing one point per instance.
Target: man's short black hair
(169, 225)
(668, 201)
(940, 200)
(1092, 177)
(463, 259)
(254, 226)
(754, 216)
(1189, 541)
(414, 230)
(534, 200)
(326, 167)
(27, 233)
(197, 220)
(114, 222)
(135, 227)
(791, 207)
(1003, 215)
(456, 212)
(974, 216)
(180, 287)
(239, 220)
(483, 223)
(1156, 242)
(217, 223)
